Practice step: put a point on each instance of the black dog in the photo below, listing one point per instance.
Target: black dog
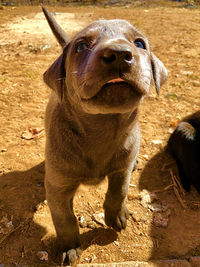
(184, 145)
(92, 126)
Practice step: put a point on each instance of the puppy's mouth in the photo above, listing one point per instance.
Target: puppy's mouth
(115, 92)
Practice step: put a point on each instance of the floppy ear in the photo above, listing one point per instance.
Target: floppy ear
(55, 76)
(159, 71)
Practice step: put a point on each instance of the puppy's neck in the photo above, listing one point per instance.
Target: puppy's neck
(86, 122)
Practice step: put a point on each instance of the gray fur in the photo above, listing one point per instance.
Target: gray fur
(92, 120)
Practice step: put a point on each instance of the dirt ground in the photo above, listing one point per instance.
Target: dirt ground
(165, 220)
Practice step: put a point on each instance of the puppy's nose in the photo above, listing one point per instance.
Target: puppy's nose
(117, 54)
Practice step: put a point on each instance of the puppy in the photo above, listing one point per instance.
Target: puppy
(92, 128)
(184, 144)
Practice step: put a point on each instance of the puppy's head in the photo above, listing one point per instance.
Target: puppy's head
(106, 68)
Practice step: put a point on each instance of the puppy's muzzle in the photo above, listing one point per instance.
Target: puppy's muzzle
(113, 64)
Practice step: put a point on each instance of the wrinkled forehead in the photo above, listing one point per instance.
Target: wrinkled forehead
(115, 28)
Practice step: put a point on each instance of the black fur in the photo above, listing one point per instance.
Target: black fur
(184, 144)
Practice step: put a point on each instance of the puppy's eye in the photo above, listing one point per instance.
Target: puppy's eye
(140, 44)
(81, 47)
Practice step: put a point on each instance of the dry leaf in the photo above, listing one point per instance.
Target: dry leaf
(99, 218)
(174, 123)
(31, 133)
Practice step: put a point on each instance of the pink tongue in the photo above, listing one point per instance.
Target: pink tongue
(116, 80)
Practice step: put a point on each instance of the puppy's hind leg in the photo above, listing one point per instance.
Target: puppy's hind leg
(60, 201)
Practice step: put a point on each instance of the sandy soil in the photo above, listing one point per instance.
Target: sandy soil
(163, 224)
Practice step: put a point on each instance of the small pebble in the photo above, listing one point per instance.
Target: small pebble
(82, 222)
(147, 197)
(146, 156)
(196, 84)
(116, 243)
(42, 255)
(73, 255)
(170, 130)
(157, 142)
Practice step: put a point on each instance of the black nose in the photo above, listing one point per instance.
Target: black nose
(117, 54)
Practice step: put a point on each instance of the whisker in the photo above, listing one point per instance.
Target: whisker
(61, 79)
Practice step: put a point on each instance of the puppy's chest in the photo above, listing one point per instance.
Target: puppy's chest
(89, 149)
(94, 152)
(97, 150)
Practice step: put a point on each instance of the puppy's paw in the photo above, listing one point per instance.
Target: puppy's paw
(65, 252)
(71, 257)
(117, 219)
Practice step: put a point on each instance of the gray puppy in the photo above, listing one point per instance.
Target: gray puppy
(92, 128)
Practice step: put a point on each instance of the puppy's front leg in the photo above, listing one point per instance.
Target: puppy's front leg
(60, 201)
(116, 213)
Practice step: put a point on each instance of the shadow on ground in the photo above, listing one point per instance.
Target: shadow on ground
(181, 237)
(21, 192)
(21, 201)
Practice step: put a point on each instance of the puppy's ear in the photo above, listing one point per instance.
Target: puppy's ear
(55, 76)
(58, 32)
(159, 71)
